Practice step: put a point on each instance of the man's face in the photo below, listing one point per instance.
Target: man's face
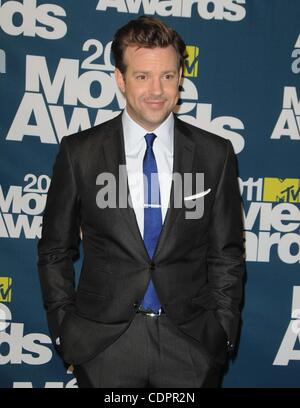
(150, 84)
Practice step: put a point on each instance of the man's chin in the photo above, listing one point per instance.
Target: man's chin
(149, 120)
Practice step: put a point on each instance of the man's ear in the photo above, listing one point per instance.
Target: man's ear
(120, 80)
(180, 75)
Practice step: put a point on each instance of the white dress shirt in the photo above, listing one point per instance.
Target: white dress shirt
(135, 148)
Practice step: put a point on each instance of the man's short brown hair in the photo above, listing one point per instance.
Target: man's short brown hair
(146, 32)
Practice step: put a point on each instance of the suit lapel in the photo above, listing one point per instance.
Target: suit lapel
(184, 151)
(114, 154)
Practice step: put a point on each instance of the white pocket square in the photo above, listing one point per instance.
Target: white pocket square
(193, 197)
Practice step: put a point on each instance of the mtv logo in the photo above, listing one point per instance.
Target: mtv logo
(191, 63)
(281, 190)
(5, 289)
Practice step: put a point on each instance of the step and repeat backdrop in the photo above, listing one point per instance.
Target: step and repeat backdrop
(241, 82)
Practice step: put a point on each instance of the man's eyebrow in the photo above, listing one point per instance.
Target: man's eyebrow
(169, 71)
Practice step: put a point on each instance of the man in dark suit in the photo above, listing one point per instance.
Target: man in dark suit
(158, 300)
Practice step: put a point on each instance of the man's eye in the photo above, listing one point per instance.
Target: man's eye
(141, 77)
(169, 76)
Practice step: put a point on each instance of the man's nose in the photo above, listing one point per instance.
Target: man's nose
(156, 86)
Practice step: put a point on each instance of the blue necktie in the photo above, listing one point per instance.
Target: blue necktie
(152, 216)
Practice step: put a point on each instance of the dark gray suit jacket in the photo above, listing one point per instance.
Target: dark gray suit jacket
(197, 267)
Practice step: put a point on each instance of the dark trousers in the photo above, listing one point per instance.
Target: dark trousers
(152, 352)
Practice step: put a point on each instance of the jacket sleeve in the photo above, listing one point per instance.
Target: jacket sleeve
(58, 247)
(226, 263)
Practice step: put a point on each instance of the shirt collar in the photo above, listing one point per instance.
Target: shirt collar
(134, 133)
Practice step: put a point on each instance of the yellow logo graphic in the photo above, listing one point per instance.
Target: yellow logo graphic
(191, 63)
(5, 289)
(281, 190)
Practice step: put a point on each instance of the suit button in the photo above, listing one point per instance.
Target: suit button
(152, 265)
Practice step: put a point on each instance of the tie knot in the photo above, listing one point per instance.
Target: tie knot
(150, 139)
